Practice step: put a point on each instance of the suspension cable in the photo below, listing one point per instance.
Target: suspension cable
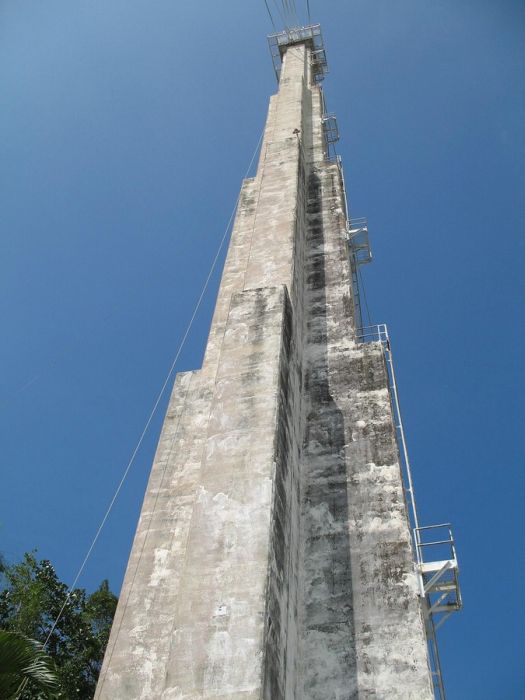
(294, 8)
(155, 405)
(279, 12)
(286, 8)
(270, 15)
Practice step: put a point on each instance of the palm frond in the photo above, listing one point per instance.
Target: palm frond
(24, 660)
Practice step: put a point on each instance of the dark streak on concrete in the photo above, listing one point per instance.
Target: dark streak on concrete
(327, 617)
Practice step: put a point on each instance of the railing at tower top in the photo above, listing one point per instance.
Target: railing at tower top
(434, 547)
(311, 36)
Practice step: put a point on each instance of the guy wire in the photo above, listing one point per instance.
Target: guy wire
(155, 406)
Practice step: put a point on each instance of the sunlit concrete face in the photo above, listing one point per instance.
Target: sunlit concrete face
(272, 558)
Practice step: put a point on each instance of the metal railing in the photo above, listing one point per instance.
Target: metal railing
(330, 135)
(311, 35)
(449, 543)
(379, 334)
(358, 241)
(439, 572)
(330, 129)
(440, 592)
(438, 577)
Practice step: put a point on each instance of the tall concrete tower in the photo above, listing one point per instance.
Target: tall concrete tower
(274, 556)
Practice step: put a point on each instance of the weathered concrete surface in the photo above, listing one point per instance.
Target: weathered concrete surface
(272, 558)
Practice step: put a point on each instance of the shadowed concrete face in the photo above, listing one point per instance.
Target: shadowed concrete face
(272, 559)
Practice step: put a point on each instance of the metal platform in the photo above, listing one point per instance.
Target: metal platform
(360, 254)
(357, 237)
(330, 134)
(310, 35)
(438, 567)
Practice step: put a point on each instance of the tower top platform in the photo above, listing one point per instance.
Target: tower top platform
(311, 36)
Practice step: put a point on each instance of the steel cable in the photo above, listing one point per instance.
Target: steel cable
(155, 405)
(279, 13)
(270, 15)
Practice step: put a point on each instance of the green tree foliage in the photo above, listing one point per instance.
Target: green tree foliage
(24, 661)
(30, 601)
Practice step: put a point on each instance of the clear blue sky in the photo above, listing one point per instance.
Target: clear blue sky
(125, 129)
